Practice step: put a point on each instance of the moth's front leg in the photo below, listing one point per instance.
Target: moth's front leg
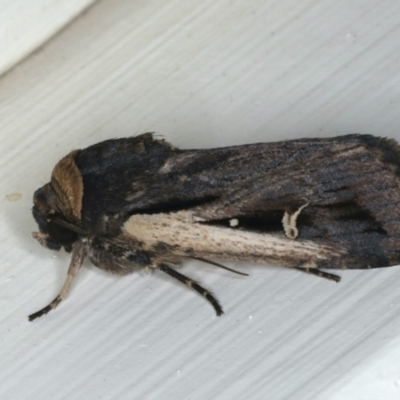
(78, 255)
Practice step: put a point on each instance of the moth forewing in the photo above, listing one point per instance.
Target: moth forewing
(306, 204)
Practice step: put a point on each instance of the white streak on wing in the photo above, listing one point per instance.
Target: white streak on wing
(182, 229)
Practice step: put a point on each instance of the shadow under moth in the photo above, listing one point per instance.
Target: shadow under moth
(308, 204)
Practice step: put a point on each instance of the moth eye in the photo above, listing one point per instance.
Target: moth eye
(61, 234)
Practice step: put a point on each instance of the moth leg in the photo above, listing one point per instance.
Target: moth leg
(194, 285)
(321, 274)
(219, 265)
(78, 255)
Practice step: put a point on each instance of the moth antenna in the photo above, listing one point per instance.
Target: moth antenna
(78, 255)
(194, 285)
(319, 273)
(68, 225)
(219, 265)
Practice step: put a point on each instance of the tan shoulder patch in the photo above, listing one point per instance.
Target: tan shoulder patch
(67, 183)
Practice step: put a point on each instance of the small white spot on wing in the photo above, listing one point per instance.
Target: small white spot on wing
(233, 222)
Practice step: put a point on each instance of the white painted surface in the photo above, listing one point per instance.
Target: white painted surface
(25, 25)
(202, 74)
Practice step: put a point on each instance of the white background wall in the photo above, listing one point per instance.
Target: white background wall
(26, 25)
(202, 74)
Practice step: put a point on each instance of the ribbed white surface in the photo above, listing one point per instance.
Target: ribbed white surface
(202, 74)
(26, 25)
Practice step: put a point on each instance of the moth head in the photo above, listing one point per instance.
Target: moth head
(57, 207)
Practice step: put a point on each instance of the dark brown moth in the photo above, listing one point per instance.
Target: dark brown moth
(308, 204)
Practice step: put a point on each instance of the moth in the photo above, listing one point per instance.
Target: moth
(308, 204)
